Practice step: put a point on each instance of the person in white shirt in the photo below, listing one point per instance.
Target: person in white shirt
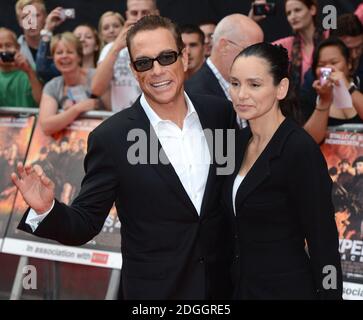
(29, 40)
(176, 240)
(114, 62)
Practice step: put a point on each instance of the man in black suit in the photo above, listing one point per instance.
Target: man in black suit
(232, 34)
(173, 230)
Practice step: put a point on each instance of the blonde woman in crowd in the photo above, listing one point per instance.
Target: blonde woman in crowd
(69, 92)
(109, 27)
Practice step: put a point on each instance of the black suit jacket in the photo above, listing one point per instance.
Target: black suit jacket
(169, 251)
(204, 82)
(284, 199)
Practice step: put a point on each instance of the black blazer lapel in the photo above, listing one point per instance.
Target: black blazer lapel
(261, 168)
(242, 138)
(166, 171)
(207, 123)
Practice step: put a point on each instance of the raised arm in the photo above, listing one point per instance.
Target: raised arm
(51, 121)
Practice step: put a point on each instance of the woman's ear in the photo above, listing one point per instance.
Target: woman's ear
(313, 10)
(283, 89)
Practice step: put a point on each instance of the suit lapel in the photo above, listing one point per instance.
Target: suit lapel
(165, 171)
(261, 168)
(214, 83)
(207, 123)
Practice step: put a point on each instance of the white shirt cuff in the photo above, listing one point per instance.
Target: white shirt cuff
(33, 219)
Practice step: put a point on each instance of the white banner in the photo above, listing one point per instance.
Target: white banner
(352, 291)
(69, 254)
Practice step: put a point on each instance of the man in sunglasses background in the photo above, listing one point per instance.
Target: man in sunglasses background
(176, 243)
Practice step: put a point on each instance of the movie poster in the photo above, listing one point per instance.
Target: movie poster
(61, 157)
(343, 152)
(15, 135)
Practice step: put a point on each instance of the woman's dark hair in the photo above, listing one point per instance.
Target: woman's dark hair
(277, 58)
(330, 42)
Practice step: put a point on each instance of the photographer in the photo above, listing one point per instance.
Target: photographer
(332, 53)
(19, 85)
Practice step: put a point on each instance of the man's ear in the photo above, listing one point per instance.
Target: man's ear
(283, 89)
(185, 59)
(222, 46)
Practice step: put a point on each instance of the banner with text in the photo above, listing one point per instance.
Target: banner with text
(61, 157)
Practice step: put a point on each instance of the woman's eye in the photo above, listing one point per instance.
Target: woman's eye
(234, 84)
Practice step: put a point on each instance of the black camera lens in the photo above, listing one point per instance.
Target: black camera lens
(7, 56)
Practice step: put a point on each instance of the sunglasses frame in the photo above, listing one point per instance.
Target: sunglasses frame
(176, 54)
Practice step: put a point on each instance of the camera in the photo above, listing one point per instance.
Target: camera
(7, 56)
(264, 9)
(69, 13)
(324, 75)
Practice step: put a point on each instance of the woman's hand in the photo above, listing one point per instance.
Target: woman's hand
(324, 91)
(252, 15)
(54, 19)
(87, 105)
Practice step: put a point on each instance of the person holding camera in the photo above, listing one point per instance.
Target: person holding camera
(19, 85)
(87, 34)
(333, 55)
(30, 39)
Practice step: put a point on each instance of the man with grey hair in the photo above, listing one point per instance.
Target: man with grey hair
(232, 34)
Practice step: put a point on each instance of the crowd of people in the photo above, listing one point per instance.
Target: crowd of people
(265, 230)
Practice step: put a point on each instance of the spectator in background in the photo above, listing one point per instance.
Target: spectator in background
(19, 85)
(302, 16)
(359, 12)
(29, 40)
(90, 44)
(113, 70)
(332, 53)
(233, 33)
(71, 90)
(193, 39)
(350, 31)
(109, 27)
(87, 35)
(208, 28)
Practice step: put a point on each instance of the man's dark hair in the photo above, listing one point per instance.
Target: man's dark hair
(192, 28)
(203, 22)
(154, 22)
(359, 159)
(64, 139)
(333, 171)
(43, 150)
(344, 161)
(348, 24)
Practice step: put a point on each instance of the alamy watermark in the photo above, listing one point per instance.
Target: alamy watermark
(30, 277)
(220, 151)
(329, 17)
(30, 19)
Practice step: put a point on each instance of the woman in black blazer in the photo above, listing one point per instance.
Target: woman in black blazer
(279, 197)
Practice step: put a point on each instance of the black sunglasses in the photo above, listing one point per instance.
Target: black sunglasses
(164, 59)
